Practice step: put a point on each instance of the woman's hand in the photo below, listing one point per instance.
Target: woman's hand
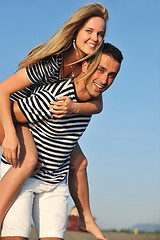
(11, 149)
(64, 106)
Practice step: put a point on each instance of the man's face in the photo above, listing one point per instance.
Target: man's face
(103, 76)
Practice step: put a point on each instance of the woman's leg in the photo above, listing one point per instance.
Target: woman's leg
(78, 186)
(13, 180)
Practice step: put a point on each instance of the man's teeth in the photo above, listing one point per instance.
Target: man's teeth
(98, 85)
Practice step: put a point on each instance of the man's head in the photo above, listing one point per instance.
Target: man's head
(105, 73)
(112, 51)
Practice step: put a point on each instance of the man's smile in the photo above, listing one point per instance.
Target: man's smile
(99, 85)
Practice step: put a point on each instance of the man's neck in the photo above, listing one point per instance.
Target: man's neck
(81, 90)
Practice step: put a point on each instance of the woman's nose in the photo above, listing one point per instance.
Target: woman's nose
(94, 37)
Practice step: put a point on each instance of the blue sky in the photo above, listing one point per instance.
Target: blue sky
(122, 144)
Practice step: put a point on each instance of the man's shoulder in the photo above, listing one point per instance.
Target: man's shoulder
(64, 88)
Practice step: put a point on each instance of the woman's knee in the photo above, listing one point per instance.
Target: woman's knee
(29, 156)
(31, 160)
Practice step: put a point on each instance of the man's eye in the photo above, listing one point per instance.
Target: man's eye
(112, 76)
(100, 70)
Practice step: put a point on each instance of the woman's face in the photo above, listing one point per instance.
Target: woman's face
(90, 35)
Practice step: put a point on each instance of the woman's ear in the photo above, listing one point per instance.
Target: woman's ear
(84, 66)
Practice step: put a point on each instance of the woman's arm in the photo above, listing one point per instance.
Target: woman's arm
(10, 146)
(94, 106)
(65, 106)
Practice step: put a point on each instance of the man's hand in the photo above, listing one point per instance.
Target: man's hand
(37, 168)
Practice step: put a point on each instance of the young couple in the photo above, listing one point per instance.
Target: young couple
(73, 67)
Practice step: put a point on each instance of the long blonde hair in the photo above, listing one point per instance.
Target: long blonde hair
(62, 40)
(93, 63)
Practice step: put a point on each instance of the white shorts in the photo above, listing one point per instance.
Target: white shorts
(46, 203)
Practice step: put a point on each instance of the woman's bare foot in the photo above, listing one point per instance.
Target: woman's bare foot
(87, 224)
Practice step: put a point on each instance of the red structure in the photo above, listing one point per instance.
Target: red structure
(72, 223)
(73, 220)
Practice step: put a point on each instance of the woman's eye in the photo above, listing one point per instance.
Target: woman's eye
(89, 31)
(101, 34)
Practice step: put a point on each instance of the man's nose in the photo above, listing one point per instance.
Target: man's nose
(104, 79)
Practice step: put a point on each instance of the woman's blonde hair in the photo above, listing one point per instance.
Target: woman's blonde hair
(93, 63)
(62, 40)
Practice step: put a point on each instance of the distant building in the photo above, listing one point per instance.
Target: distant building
(73, 219)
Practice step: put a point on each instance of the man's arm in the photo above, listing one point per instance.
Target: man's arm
(78, 186)
(78, 164)
(34, 107)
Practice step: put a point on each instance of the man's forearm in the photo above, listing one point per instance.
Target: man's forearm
(78, 186)
(78, 183)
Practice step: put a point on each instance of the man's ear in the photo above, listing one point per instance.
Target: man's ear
(84, 66)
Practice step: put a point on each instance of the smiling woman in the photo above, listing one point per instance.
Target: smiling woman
(90, 35)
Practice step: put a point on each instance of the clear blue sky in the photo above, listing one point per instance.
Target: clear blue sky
(122, 144)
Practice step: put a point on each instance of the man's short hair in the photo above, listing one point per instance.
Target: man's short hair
(111, 50)
(93, 62)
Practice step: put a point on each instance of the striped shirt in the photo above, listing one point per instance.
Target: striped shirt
(42, 73)
(54, 138)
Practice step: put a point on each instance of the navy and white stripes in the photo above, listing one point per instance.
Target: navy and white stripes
(44, 72)
(54, 138)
